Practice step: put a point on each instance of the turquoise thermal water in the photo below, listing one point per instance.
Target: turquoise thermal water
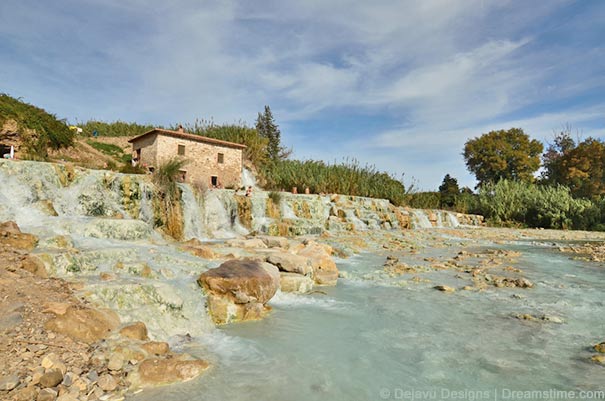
(370, 339)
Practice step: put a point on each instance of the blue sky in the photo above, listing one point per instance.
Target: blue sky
(398, 84)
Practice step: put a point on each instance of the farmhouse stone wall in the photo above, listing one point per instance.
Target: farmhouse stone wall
(203, 159)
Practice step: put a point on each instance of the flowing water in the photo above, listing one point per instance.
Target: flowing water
(371, 337)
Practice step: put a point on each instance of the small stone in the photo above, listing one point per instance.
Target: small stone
(68, 379)
(67, 397)
(156, 347)
(52, 361)
(107, 382)
(93, 376)
(47, 394)
(444, 288)
(28, 393)
(135, 331)
(37, 374)
(51, 378)
(8, 383)
(116, 362)
(600, 347)
(600, 359)
(552, 319)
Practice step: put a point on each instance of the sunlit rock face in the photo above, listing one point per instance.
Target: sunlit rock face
(239, 290)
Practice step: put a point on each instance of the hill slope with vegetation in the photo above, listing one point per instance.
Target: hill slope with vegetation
(33, 129)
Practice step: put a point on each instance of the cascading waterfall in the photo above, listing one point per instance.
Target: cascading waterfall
(452, 220)
(192, 215)
(420, 219)
(248, 179)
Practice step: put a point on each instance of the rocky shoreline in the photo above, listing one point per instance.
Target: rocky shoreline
(57, 346)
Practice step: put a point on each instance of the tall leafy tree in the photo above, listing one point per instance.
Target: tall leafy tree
(448, 191)
(504, 154)
(552, 158)
(267, 128)
(582, 169)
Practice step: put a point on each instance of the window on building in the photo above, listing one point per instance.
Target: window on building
(221, 158)
(214, 181)
(181, 150)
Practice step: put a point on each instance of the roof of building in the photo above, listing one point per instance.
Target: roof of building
(186, 135)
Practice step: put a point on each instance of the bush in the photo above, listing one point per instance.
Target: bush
(107, 148)
(347, 178)
(116, 128)
(537, 206)
(169, 200)
(39, 129)
(424, 200)
(275, 197)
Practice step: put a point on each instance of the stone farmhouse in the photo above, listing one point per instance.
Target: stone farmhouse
(211, 162)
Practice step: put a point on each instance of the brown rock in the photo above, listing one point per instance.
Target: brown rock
(292, 282)
(239, 290)
(247, 243)
(107, 382)
(195, 247)
(325, 271)
(28, 393)
(163, 371)
(289, 262)
(156, 347)
(34, 265)
(8, 383)
(444, 288)
(51, 378)
(116, 361)
(600, 359)
(275, 242)
(600, 347)
(47, 394)
(52, 361)
(11, 235)
(135, 331)
(87, 325)
(57, 308)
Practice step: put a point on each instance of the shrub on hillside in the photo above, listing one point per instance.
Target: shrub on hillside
(38, 129)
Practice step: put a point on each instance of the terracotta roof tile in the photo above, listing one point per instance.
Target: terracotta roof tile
(186, 135)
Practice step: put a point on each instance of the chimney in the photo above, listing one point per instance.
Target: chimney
(181, 128)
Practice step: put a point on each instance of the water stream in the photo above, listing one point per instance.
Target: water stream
(369, 336)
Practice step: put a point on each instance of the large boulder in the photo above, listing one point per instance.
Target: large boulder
(325, 271)
(83, 324)
(238, 290)
(288, 262)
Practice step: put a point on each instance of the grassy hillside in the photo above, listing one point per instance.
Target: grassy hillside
(38, 129)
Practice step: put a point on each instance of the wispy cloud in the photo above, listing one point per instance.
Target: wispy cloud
(397, 83)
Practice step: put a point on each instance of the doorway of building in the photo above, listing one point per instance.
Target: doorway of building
(214, 181)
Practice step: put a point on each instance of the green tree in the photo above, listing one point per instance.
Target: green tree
(582, 169)
(503, 154)
(448, 191)
(552, 157)
(267, 128)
